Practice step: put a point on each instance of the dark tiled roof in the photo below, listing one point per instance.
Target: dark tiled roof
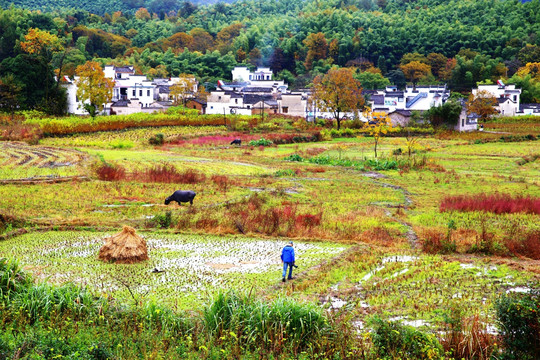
(502, 100)
(402, 112)
(377, 99)
(121, 103)
(258, 89)
(124, 69)
(164, 89)
(393, 93)
(253, 98)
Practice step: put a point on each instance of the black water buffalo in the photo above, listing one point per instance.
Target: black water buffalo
(181, 196)
(236, 142)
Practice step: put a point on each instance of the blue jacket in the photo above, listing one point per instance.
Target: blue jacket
(287, 254)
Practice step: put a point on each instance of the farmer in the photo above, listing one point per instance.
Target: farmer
(287, 258)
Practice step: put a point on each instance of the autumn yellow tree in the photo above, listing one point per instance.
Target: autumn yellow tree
(532, 69)
(483, 104)
(337, 92)
(379, 123)
(184, 89)
(93, 88)
(38, 41)
(414, 71)
(317, 48)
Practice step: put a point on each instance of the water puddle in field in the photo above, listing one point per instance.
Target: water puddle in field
(335, 303)
(519, 289)
(399, 258)
(413, 323)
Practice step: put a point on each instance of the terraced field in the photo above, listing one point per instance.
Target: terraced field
(22, 161)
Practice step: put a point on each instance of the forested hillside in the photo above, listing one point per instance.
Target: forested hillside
(101, 7)
(463, 42)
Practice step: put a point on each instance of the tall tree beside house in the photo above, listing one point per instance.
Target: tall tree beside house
(338, 92)
(445, 115)
(42, 46)
(10, 94)
(93, 88)
(414, 71)
(483, 104)
(184, 89)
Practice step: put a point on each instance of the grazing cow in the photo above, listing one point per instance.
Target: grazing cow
(236, 142)
(181, 196)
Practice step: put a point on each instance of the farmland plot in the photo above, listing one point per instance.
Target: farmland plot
(182, 269)
(19, 161)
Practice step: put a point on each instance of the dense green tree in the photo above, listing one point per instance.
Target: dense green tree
(446, 114)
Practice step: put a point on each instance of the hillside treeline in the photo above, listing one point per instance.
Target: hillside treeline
(462, 42)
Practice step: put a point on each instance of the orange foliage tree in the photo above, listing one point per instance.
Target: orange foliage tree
(317, 48)
(414, 71)
(483, 104)
(93, 88)
(337, 92)
(38, 41)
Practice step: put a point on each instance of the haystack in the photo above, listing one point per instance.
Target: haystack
(126, 247)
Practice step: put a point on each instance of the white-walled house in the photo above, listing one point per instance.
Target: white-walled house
(466, 122)
(507, 96)
(422, 98)
(131, 93)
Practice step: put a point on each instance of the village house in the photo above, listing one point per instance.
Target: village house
(466, 122)
(131, 93)
(507, 97)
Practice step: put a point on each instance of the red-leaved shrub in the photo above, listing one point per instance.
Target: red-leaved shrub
(166, 173)
(496, 203)
(110, 172)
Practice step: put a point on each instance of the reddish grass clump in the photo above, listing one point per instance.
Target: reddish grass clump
(110, 172)
(165, 173)
(528, 245)
(496, 203)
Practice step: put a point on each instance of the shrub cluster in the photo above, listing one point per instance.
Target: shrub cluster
(518, 317)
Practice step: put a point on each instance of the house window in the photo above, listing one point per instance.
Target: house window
(236, 101)
(211, 107)
(140, 92)
(285, 109)
(515, 98)
(134, 93)
(249, 107)
(219, 97)
(147, 92)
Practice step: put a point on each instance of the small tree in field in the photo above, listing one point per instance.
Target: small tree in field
(93, 88)
(337, 92)
(482, 104)
(379, 123)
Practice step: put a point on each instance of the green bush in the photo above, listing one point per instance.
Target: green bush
(258, 324)
(121, 144)
(157, 139)
(294, 157)
(13, 279)
(518, 317)
(163, 220)
(286, 172)
(393, 340)
(261, 142)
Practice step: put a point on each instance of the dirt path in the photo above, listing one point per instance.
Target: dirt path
(376, 177)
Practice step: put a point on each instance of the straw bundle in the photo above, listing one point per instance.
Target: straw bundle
(126, 247)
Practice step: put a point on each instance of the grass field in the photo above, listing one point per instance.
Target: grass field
(370, 243)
